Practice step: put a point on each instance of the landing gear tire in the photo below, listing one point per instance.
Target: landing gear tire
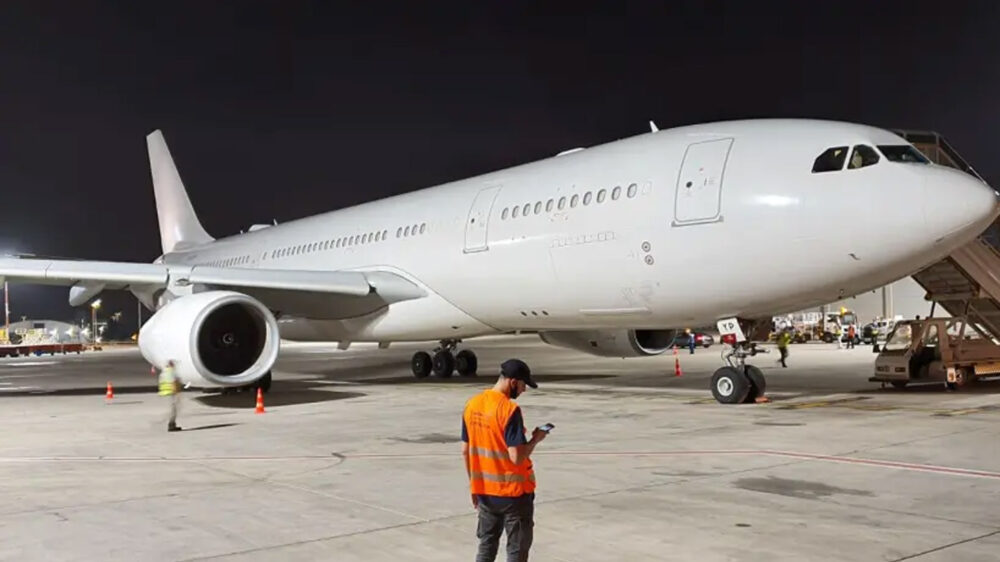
(443, 364)
(757, 384)
(729, 386)
(466, 363)
(263, 383)
(421, 364)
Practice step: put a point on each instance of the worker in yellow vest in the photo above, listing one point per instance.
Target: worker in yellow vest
(171, 388)
(498, 461)
(784, 338)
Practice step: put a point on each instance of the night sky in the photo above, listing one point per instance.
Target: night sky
(285, 109)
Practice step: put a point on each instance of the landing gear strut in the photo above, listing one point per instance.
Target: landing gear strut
(263, 383)
(739, 382)
(445, 361)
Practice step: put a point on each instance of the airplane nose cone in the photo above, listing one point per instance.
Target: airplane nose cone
(957, 204)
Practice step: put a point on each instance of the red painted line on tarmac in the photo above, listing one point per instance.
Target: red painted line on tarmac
(935, 469)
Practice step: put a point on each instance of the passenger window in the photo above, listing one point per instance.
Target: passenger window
(632, 190)
(862, 156)
(503, 215)
(423, 228)
(406, 231)
(574, 200)
(616, 193)
(517, 211)
(586, 198)
(414, 230)
(385, 234)
(538, 207)
(562, 203)
(601, 195)
(526, 209)
(832, 160)
(548, 205)
(399, 232)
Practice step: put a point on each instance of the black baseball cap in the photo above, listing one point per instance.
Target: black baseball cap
(517, 370)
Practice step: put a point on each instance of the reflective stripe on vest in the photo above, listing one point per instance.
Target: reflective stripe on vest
(504, 477)
(490, 468)
(167, 382)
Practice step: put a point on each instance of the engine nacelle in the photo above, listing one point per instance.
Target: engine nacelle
(216, 338)
(613, 343)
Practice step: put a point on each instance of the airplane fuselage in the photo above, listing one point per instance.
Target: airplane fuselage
(664, 230)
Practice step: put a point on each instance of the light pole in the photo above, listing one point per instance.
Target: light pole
(6, 310)
(93, 319)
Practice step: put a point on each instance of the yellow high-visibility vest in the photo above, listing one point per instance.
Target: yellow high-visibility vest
(168, 382)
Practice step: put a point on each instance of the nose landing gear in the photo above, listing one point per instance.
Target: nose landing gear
(739, 383)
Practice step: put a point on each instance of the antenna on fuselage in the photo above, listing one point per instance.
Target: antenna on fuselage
(652, 127)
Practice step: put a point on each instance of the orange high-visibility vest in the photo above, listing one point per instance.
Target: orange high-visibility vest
(491, 471)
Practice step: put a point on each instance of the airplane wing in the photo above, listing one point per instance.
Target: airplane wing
(308, 294)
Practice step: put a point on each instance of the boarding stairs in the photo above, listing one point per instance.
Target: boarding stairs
(966, 283)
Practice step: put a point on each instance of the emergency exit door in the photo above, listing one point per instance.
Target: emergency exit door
(698, 198)
(477, 223)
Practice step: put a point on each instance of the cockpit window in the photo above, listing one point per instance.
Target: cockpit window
(862, 156)
(903, 153)
(832, 160)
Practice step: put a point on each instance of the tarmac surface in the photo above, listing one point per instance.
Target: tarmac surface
(356, 460)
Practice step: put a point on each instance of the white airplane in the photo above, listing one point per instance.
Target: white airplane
(607, 250)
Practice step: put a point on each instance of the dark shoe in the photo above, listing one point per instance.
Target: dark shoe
(173, 428)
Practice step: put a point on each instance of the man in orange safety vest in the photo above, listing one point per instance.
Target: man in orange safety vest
(498, 462)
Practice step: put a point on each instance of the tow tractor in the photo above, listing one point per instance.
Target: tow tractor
(948, 350)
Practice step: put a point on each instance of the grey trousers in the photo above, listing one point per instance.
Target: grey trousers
(517, 517)
(175, 401)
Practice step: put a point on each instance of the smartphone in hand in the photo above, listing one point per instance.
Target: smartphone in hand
(547, 427)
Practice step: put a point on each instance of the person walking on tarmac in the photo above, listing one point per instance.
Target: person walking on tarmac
(851, 333)
(784, 338)
(171, 388)
(691, 340)
(498, 462)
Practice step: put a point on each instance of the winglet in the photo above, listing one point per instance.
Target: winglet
(179, 226)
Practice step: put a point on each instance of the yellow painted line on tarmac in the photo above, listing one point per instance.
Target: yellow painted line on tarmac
(963, 412)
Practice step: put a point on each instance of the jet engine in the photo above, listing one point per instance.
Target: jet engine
(613, 343)
(215, 338)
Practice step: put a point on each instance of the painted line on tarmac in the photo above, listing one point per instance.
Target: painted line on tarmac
(16, 388)
(32, 364)
(918, 467)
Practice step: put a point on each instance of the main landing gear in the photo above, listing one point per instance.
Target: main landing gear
(444, 361)
(739, 383)
(263, 383)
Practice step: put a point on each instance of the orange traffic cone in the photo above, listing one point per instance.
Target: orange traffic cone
(260, 402)
(110, 394)
(677, 363)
